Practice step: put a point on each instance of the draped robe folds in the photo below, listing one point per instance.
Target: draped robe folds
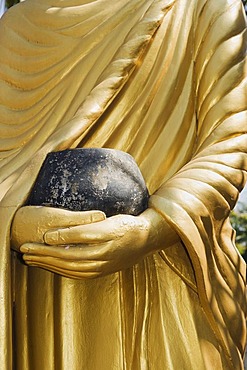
(164, 81)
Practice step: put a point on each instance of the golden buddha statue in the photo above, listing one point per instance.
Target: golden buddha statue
(163, 81)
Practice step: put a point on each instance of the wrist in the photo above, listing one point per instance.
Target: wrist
(161, 234)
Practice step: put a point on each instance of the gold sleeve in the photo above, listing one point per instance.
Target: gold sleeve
(197, 200)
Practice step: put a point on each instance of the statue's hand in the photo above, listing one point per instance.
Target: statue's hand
(100, 248)
(31, 223)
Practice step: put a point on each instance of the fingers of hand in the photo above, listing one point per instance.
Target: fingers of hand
(50, 217)
(64, 272)
(67, 252)
(76, 266)
(30, 223)
(71, 269)
(90, 233)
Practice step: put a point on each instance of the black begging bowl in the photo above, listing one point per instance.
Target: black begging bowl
(91, 179)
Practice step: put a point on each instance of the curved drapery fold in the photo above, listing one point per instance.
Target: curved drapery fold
(198, 209)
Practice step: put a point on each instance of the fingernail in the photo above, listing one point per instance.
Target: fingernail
(24, 249)
(98, 217)
(26, 258)
(51, 237)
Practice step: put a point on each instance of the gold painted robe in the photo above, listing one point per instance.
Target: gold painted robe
(164, 81)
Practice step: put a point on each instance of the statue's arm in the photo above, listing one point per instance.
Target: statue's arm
(210, 183)
(197, 200)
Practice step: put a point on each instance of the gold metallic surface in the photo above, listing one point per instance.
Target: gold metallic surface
(166, 82)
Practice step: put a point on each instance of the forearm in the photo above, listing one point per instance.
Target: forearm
(162, 235)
